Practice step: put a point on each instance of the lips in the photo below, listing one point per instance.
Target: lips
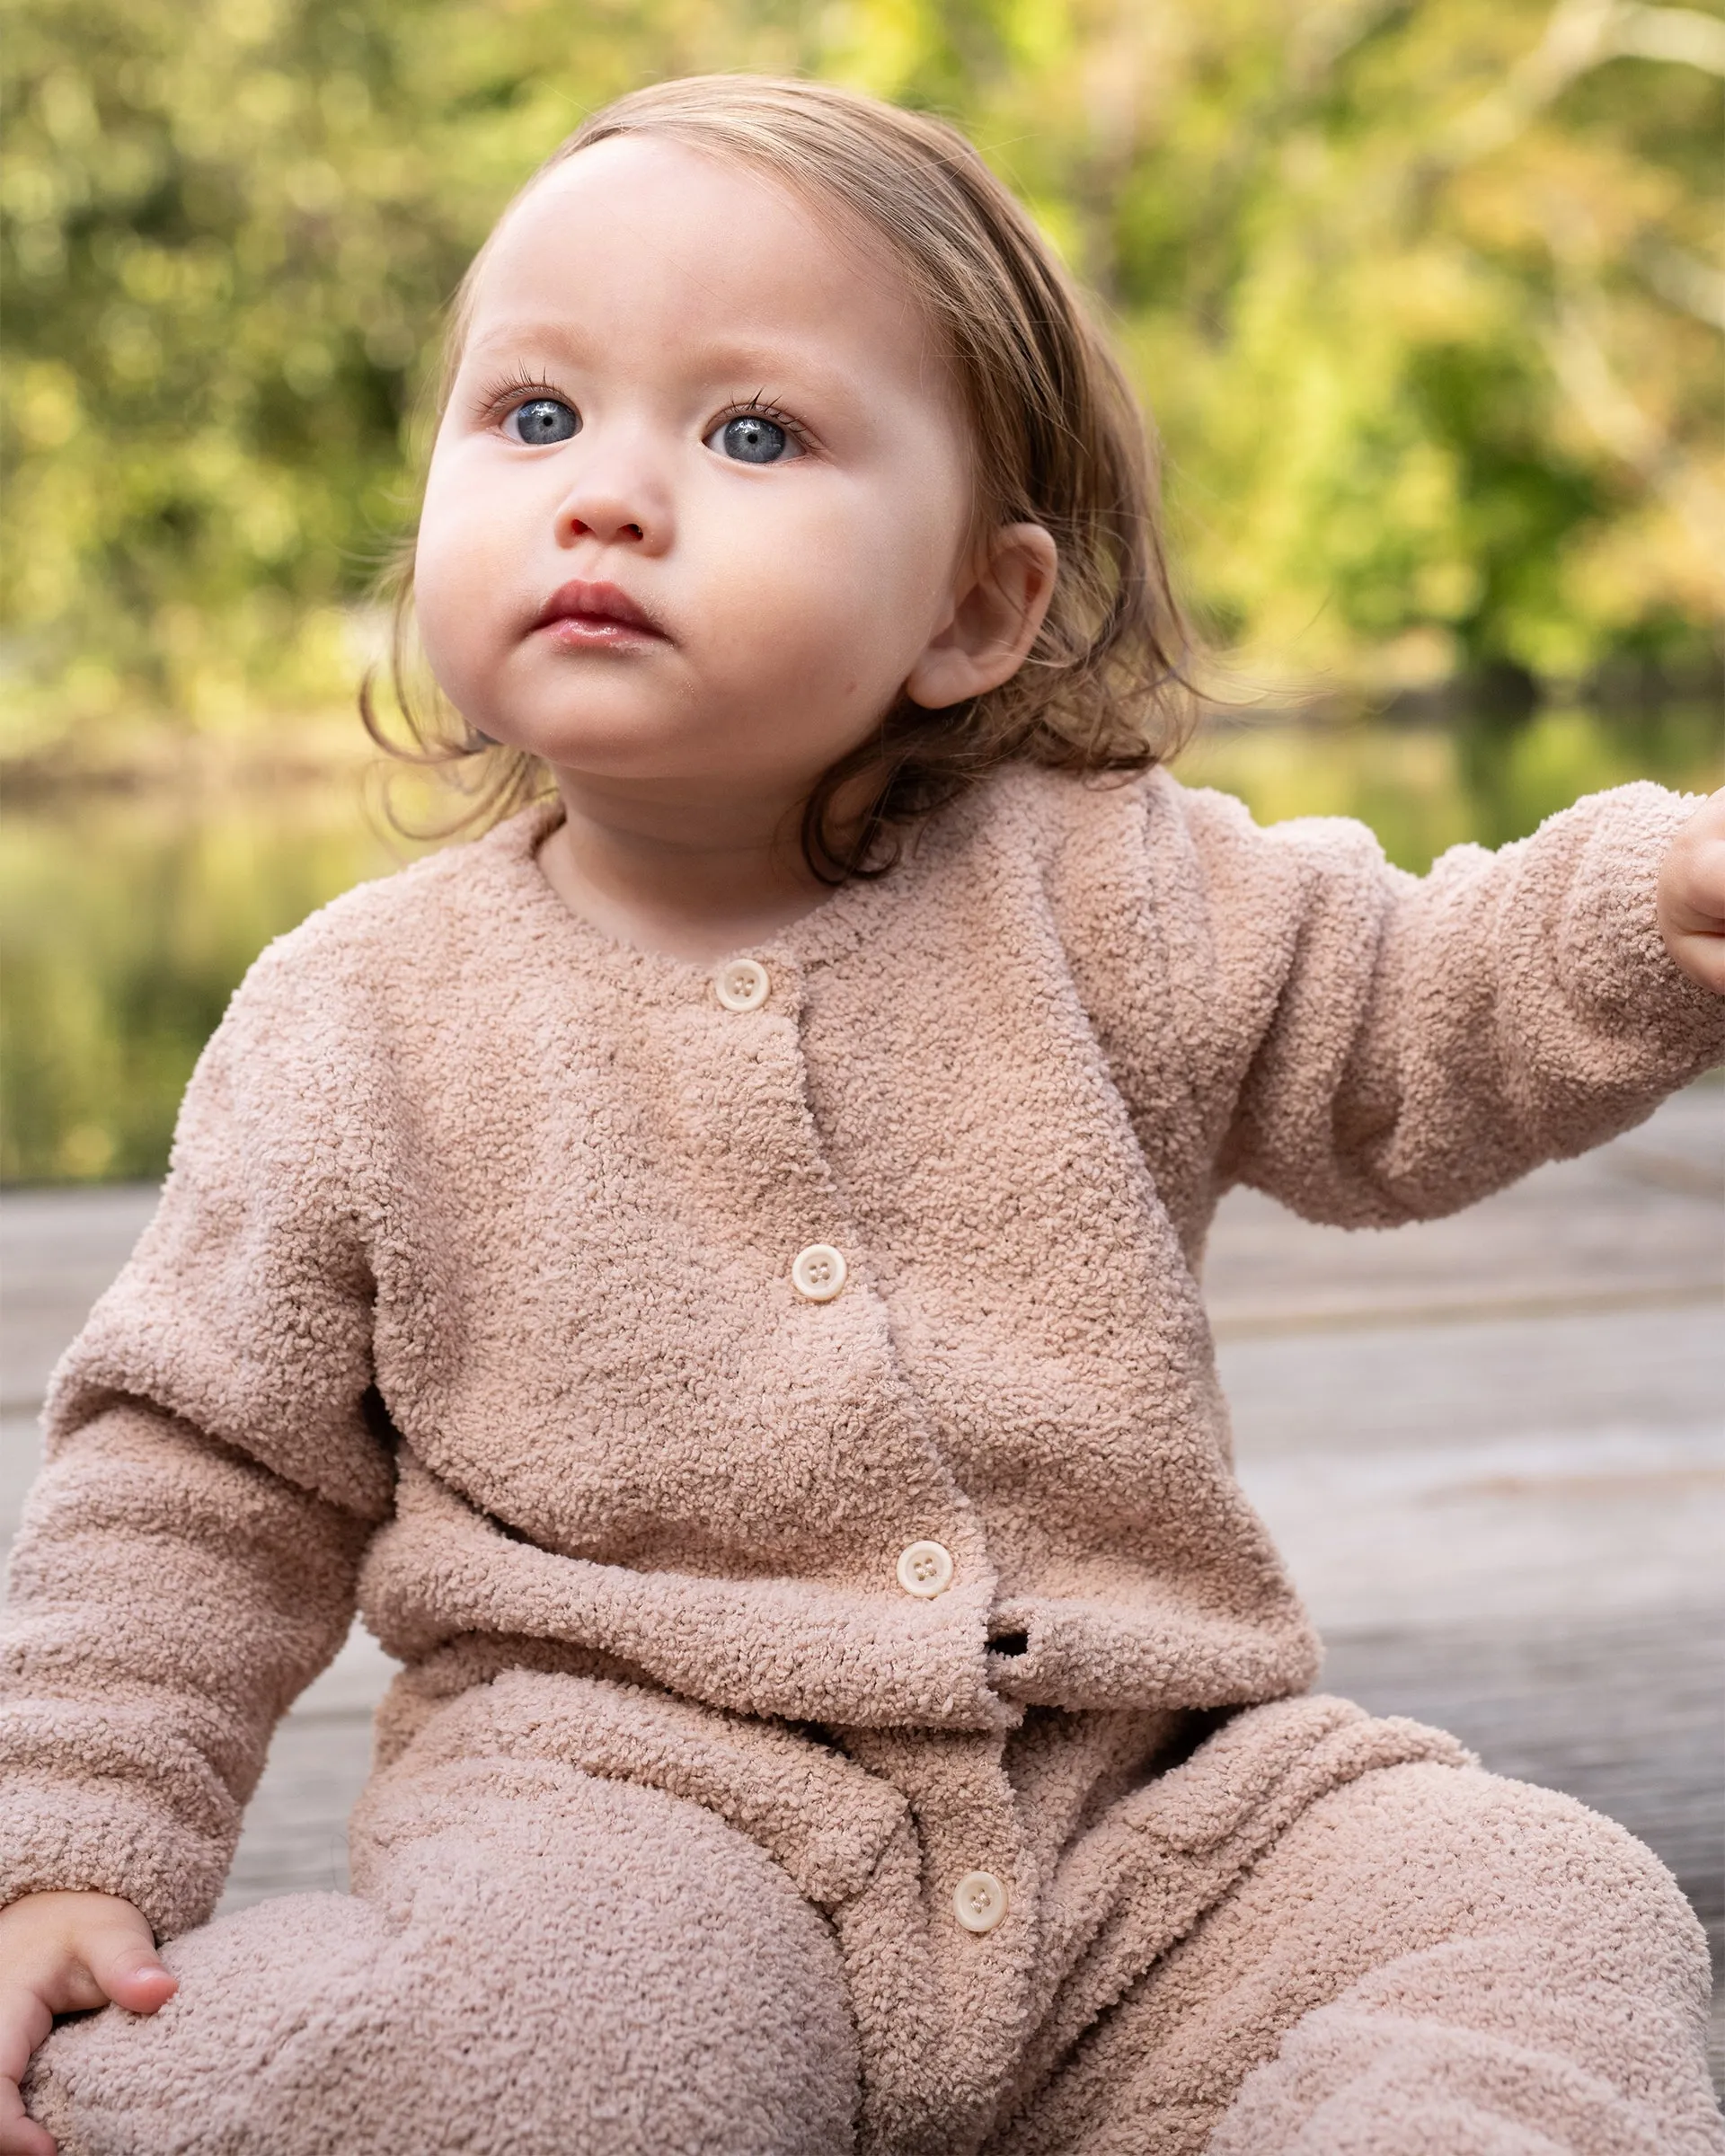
(580, 612)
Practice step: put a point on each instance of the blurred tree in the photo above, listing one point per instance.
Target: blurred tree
(1422, 296)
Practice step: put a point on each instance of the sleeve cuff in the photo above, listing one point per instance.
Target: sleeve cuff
(61, 1838)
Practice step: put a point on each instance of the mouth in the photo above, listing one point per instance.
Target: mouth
(596, 616)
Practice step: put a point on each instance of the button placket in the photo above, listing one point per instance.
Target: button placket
(791, 1186)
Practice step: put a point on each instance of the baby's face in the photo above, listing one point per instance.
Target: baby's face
(703, 490)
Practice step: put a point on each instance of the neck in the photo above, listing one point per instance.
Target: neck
(693, 877)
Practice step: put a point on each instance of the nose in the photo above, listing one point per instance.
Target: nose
(616, 498)
(609, 522)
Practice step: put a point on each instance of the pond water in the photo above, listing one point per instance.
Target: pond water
(126, 919)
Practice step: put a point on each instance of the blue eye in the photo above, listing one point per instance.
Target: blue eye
(750, 438)
(542, 421)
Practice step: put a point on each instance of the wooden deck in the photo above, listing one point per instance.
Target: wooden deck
(1493, 1449)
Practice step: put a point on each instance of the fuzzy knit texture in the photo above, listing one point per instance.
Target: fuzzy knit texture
(592, 1920)
(471, 1296)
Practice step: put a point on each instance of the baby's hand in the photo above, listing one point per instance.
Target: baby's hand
(60, 1953)
(1692, 898)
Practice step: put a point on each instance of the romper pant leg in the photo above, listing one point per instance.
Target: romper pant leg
(537, 1963)
(1429, 1962)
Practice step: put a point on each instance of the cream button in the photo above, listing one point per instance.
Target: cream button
(818, 1273)
(744, 985)
(926, 1569)
(979, 1900)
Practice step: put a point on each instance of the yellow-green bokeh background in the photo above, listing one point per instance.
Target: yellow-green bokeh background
(1426, 299)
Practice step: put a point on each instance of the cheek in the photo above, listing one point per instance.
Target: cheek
(903, 527)
(852, 576)
(450, 559)
(441, 622)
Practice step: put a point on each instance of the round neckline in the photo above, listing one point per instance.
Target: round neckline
(833, 926)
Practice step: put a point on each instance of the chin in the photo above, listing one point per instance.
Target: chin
(636, 749)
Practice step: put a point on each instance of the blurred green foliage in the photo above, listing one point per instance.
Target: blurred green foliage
(1426, 300)
(126, 921)
(1422, 296)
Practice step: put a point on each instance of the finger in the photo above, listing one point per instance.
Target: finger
(19, 2135)
(1700, 879)
(126, 1969)
(1702, 958)
(24, 2023)
(117, 1951)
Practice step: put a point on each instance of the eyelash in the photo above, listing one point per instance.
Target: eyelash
(510, 394)
(764, 408)
(518, 389)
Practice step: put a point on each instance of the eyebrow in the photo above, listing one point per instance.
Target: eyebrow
(722, 356)
(550, 336)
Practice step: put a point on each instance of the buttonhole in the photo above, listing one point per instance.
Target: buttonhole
(377, 1419)
(1010, 1643)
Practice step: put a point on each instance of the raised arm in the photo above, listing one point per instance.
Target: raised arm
(188, 1556)
(1374, 1046)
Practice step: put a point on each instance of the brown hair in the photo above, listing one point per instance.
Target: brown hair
(1059, 441)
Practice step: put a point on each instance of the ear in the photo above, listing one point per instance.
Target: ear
(997, 607)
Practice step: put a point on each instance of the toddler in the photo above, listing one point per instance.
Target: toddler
(710, 1269)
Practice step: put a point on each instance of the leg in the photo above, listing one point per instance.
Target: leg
(1429, 1960)
(538, 1964)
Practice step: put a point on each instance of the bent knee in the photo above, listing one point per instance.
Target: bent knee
(600, 1966)
(1422, 1853)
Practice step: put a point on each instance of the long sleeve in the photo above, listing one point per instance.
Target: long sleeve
(188, 1556)
(1377, 1046)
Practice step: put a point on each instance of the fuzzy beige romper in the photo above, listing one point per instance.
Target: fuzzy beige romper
(848, 1703)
